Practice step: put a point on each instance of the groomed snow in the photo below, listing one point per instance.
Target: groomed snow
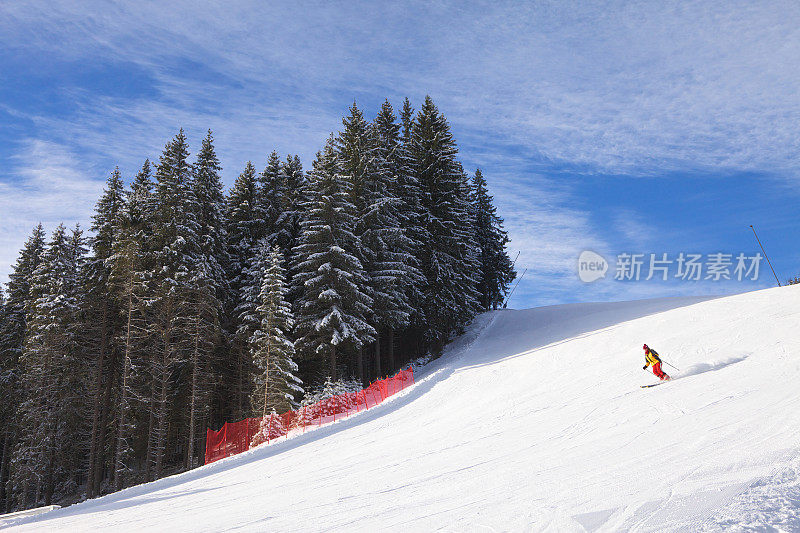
(534, 420)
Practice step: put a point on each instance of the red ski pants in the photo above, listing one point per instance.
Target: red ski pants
(658, 372)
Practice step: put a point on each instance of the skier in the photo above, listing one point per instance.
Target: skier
(651, 358)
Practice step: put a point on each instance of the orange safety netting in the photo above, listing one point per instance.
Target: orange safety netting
(237, 437)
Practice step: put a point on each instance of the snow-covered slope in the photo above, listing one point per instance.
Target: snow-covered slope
(533, 420)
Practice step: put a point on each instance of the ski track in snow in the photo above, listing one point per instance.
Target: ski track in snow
(532, 420)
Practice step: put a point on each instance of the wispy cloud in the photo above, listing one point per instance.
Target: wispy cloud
(636, 233)
(50, 187)
(610, 86)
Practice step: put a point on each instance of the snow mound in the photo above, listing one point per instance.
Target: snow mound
(700, 368)
(533, 420)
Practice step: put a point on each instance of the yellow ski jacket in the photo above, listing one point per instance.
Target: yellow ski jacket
(651, 357)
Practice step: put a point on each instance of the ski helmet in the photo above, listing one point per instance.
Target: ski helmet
(645, 348)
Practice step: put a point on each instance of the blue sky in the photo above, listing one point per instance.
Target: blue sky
(609, 126)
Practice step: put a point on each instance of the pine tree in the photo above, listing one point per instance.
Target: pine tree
(367, 154)
(355, 151)
(243, 231)
(208, 285)
(271, 199)
(397, 193)
(101, 317)
(12, 336)
(294, 180)
(410, 192)
(275, 377)
(247, 324)
(175, 257)
(448, 255)
(407, 120)
(18, 295)
(468, 252)
(333, 309)
(210, 212)
(496, 269)
(128, 275)
(49, 448)
(292, 185)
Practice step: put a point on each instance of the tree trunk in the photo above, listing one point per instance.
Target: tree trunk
(3, 461)
(49, 481)
(148, 471)
(377, 354)
(91, 489)
(161, 429)
(361, 364)
(195, 385)
(240, 385)
(126, 364)
(392, 366)
(102, 432)
(269, 348)
(333, 363)
(25, 494)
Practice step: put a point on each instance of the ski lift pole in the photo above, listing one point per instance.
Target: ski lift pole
(515, 288)
(765, 255)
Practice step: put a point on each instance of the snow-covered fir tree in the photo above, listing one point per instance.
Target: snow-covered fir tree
(49, 451)
(448, 255)
(397, 230)
(368, 158)
(207, 288)
(496, 270)
(210, 212)
(332, 314)
(275, 372)
(129, 267)
(329, 389)
(270, 199)
(244, 228)
(248, 322)
(294, 180)
(101, 324)
(287, 232)
(12, 336)
(175, 257)
(355, 152)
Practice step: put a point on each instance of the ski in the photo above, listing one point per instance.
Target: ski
(655, 384)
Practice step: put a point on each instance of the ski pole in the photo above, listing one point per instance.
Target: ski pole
(673, 366)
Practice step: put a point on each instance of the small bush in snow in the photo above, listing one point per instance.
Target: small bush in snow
(330, 389)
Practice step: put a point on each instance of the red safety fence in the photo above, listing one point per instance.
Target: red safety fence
(237, 437)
